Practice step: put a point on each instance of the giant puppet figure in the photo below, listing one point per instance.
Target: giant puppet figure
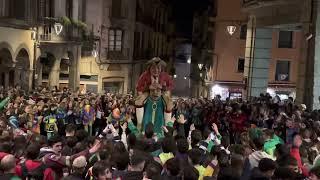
(154, 104)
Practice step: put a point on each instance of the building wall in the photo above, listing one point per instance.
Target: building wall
(292, 55)
(228, 49)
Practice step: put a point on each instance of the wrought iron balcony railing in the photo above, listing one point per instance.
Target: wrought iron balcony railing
(70, 33)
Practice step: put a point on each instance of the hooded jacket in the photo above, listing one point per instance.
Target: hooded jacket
(255, 157)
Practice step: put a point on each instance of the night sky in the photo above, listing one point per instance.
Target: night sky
(183, 13)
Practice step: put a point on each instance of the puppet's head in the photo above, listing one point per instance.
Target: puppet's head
(155, 66)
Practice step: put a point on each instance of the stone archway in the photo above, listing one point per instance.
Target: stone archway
(22, 69)
(6, 65)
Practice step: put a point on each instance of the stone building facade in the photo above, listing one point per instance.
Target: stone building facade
(129, 32)
(32, 53)
(124, 34)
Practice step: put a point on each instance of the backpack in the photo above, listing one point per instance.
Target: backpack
(35, 174)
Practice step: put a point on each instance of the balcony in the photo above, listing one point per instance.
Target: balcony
(276, 12)
(70, 33)
(124, 54)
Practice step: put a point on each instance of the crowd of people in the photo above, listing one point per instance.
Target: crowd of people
(68, 135)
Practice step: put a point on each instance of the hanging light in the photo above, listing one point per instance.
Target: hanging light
(200, 66)
(33, 35)
(58, 27)
(189, 60)
(94, 53)
(175, 76)
(185, 77)
(231, 29)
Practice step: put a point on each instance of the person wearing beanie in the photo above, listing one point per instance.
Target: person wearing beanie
(78, 168)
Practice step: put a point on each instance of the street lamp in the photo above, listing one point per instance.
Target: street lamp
(200, 66)
(94, 53)
(189, 60)
(58, 27)
(231, 29)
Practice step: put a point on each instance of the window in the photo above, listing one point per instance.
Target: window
(46, 8)
(282, 71)
(243, 32)
(115, 40)
(241, 65)
(17, 9)
(69, 8)
(116, 8)
(285, 39)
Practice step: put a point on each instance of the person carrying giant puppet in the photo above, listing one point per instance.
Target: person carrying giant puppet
(154, 104)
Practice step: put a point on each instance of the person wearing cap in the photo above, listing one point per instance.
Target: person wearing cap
(154, 105)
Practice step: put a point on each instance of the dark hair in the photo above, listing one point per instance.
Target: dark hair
(120, 160)
(33, 151)
(168, 145)
(119, 147)
(54, 139)
(182, 145)
(81, 134)
(266, 164)
(284, 173)
(195, 155)
(99, 168)
(70, 128)
(282, 150)
(71, 141)
(286, 161)
(153, 170)
(6, 147)
(223, 159)
(225, 141)
(132, 140)
(190, 173)
(137, 158)
(196, 137)
(259, 142)
(206, 132)
(173, 166)
(149, 131)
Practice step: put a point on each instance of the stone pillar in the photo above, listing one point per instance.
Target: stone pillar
(6, 79)
(54, 73)
(308, 88)
(74, 74)
(258, 55)
(39, 75)
(18, 76)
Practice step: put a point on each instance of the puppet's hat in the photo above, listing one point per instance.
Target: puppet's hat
(156, 60)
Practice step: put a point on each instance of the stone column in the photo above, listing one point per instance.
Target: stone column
(54, 73)
(6, 79)
(74, 74)
(39, 75)
(308, 88)
(257, 59)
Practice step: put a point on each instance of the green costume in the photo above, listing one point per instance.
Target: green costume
(154, 113)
